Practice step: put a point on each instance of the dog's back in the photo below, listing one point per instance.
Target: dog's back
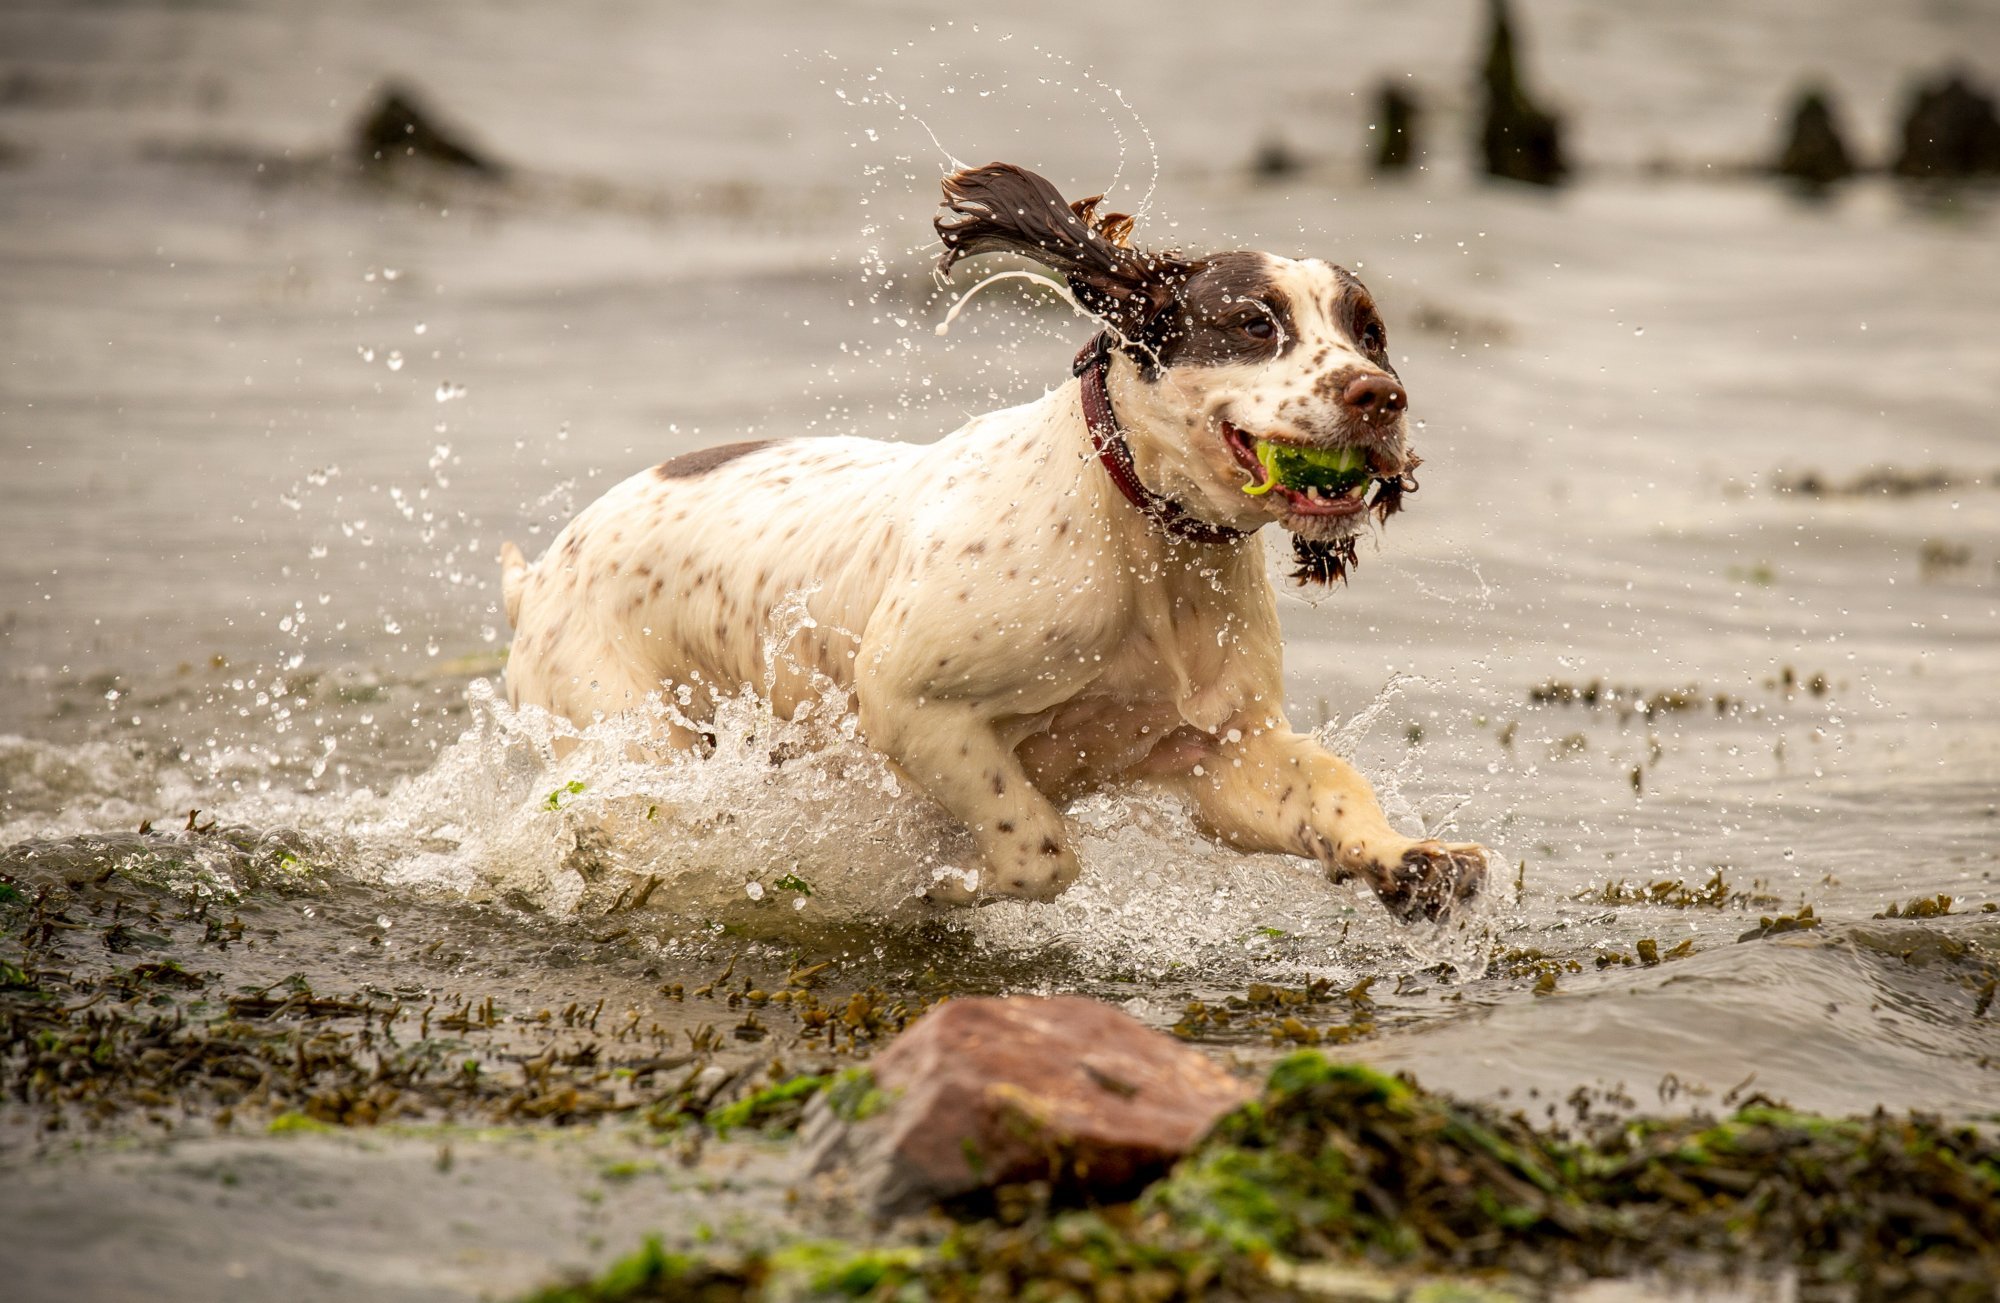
(679, 575)
(672, 576)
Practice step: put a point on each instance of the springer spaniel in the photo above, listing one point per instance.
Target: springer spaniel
(1057, 597)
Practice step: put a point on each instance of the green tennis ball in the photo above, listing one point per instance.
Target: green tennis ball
(1331, 470)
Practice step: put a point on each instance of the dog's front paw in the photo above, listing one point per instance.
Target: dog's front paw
(1429, 879)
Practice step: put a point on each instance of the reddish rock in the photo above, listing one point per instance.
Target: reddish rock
(985, 1092)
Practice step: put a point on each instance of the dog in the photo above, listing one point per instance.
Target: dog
(1057, 597)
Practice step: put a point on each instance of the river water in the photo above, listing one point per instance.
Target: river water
(267, 422)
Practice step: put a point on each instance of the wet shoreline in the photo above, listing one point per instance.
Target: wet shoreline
(262, 1049)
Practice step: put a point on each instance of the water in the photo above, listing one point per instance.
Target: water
(269, 424)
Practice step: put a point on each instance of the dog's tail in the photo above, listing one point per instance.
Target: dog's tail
(513, 578)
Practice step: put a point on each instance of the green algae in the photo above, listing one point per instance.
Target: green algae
(1073, 1254)
(654, 1273)
(1338, 1161)
(1339, 1178)
(854, 1096)
(292, 1123)
(775, 1109)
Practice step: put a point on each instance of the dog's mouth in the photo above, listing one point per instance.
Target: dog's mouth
(1310, 479)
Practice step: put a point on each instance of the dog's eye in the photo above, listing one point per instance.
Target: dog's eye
(1372, 337)
(1260, 328)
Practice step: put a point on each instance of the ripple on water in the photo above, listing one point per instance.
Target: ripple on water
(1841, 1019)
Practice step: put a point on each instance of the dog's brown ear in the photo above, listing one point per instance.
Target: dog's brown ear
(1001, 208)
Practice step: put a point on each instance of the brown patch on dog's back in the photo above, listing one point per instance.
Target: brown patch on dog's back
(703, 460)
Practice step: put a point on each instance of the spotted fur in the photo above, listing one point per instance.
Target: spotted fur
(1012, 631)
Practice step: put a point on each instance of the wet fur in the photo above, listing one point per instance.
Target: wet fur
(1009, 629)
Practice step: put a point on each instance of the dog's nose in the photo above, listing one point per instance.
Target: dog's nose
(1375, 395)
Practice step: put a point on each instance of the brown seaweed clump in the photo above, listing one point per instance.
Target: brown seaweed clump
(125, 1008)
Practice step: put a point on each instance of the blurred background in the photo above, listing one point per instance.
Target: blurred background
(306, 308)
(699, 220)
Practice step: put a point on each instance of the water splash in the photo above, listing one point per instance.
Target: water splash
(792, 830)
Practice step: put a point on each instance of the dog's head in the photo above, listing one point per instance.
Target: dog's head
(1263, 388)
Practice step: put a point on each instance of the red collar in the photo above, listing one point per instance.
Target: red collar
(1092, 365)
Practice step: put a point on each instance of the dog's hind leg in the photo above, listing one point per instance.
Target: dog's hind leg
(588, 687)
(1276, 790)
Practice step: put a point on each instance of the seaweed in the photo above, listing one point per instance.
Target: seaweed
(1339, 1172)
(854, 1097)
(1647, 954)
(1279, 1012)
(1058, 1256)
(1938, 557)
(1879, 481)
(1629, 701)
(775, 1109)
(1675, 893)
(653, 1273)
(99, 1031)
(1768, 926)
(1338, 1160)
(1922, 907)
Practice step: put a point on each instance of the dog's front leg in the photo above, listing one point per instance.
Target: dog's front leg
(1276, 790)
(950, 749)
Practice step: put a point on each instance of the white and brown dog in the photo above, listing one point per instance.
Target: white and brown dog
(1055, 598)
